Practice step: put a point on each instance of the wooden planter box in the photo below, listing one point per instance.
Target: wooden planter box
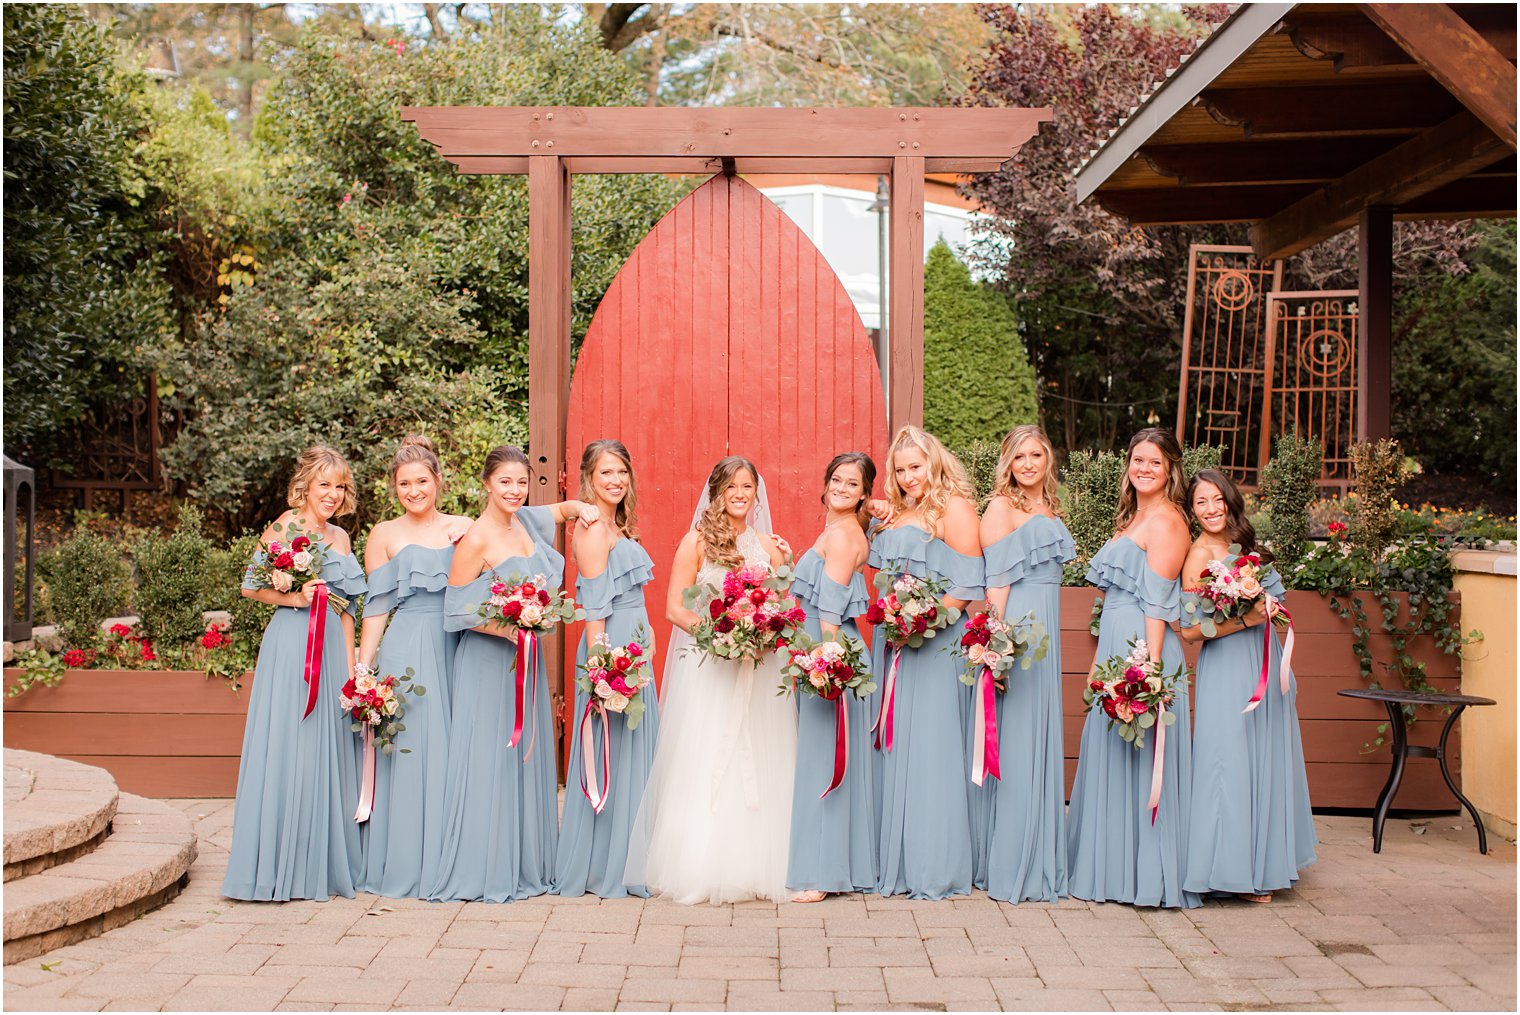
(161, 733)
(176, 734)
(1334, 728)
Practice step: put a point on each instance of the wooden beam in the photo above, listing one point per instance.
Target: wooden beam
(1358, 45)
(548, 323)
(1197, 205)
(1398, 108)
(1478, 196)
(1374, 361)
(905, 320)
(1455, 54)
(1424, 163)
(707, 165)
(1317, 160)
(985, 134)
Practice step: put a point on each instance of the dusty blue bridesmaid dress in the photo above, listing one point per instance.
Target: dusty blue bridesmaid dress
(593, 848)
(1251, 830)
(833, 840)
(293, 830)
(923, 804)
(1115, 853)
(500, 821)
(1026, 856)
(404, 834)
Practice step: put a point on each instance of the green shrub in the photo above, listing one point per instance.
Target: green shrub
(980, 459)
(1377, 466)
(88, 580)
(1200, 457)
(977, 379)
(1091, 498)
(174, 581)
(1289, 484)
(248, 616)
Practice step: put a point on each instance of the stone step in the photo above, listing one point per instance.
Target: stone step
(141, 864)
(55, 811)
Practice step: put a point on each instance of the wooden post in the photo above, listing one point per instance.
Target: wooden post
(1374, 362)
(905, 396)
(549, 356)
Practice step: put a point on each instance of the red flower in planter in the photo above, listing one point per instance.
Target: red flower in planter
(75, 658)
(148, 654)
(121, 630)
(1337, 529)
(214, 638)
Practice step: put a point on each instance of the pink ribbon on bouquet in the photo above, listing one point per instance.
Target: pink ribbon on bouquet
(984, 738)
(882, 727)
(527, 681)
(596, 794)
(1274, 608)
(316, 629)
(841, 740)
(367, 788)
(1158, 768)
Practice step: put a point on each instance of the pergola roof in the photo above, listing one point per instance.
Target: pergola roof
(1296, 117)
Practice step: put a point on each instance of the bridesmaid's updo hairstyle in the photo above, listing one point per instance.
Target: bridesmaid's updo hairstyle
(861, 461)
(1007, 486)
(720, 543)
(947, 477)
(416, 449)
(1237, 526)
(313, 462)
(1176, 484)
(626, 516)
(504, 454)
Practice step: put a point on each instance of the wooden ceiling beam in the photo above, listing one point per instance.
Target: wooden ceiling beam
(979, 136)
(1391, 109)
(1473, 197)
(1358, 44)
(1317, 160)
(1457, 55)
(1425, 163)
(1171, 206)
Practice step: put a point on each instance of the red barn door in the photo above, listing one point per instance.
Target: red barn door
(726, 332)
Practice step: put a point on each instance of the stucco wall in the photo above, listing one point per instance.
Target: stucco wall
(1487, 583)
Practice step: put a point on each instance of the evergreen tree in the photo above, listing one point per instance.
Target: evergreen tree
(978, 383)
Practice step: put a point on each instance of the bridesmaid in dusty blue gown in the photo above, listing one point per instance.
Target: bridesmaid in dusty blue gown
(925, 847)
(408, 560)
(293, 831)
(1025, 544)
(1251, 829)
(500, 825)
(833, 839)
(1116, 853)
(613, 570)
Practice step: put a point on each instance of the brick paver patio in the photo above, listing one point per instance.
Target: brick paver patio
(1428, 924)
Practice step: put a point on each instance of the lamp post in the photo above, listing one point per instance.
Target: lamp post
(881, 206)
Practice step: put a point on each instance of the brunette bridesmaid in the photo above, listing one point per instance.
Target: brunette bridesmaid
(408, 559)
(1116, 853)
(293, 831)
(1025, 544)
(925, 845)
(500, 821)
(833, 838)
(612, 570)
(1251, 829)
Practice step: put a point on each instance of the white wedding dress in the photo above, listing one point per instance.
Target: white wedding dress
(716, 815)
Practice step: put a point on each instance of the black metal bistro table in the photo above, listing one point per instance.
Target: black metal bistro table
(1402, 748)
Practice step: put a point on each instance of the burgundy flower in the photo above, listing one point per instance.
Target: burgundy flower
(299, 543)
(715, 609)
(723, 625)
(285, 560)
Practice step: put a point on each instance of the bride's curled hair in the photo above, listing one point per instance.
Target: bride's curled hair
(720, 543)
(947, 477)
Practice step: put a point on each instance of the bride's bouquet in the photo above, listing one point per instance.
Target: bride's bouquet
(749, 616)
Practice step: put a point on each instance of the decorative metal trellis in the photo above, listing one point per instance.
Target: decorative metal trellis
(118, 449)
(1222, 400)
(1311, 379)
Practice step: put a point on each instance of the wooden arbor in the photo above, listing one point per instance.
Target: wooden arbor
(1308, 119)
(550, 144)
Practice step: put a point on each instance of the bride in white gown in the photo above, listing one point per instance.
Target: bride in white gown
(716, 814)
